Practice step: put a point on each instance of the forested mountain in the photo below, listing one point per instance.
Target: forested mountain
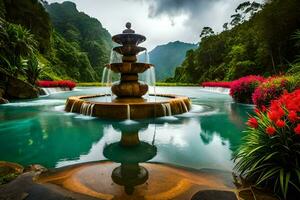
(263, 44)
(68, 44)
(167, 57)
(83, 32)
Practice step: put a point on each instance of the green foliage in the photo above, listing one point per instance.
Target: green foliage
(31, 15)
(295, 68)
(270, 153)
(16, 43)
(32, 70)
(206, 31)
(77, 49)
(68, 61)
(84, 34)
(261, 44)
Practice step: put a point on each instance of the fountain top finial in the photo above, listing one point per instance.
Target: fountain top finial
(128, 25)
(128, 30)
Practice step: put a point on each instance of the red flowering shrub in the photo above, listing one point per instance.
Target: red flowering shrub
(273, 88)
(241, 90)
(216, 84)
(270, 154)
(62, 83)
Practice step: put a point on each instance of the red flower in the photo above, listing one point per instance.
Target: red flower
(280, 112)
(252, 122)
(280, 123)
(270, 130)
(258, 111)
(293, 116)
(274, 116)
(297, 129)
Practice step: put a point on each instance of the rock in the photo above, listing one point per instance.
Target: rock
(9, 171)
(36, 168)
(41, 91)
(3, 101)
(2, 92)
(13, 88)
(18, 89)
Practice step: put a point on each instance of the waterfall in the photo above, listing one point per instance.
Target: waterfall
(167, 109)
(128, 111)
(92, 108)
(87, 108)
(164, 109)
(184, 106)
(53, 90)
(220, 90)
(72, 107)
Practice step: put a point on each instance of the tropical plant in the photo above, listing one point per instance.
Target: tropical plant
(295, 68)
(32, 70)
(241, 89)
(270, 153)
(16, 44)
(272, 88)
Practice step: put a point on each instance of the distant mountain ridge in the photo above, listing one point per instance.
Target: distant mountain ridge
(167, 57)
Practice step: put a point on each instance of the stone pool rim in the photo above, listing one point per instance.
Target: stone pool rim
(128, 110)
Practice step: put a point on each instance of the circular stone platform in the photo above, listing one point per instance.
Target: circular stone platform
(128, 108)
(164, 182)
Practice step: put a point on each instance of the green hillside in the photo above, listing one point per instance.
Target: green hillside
(83, 32)
(167, 57)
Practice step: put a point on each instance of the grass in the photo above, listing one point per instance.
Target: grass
(99, 84)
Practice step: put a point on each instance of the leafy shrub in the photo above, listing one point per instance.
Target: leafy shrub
(216, 84)
(241, 90)
(270, 153)
(62, 83)
(273, 88)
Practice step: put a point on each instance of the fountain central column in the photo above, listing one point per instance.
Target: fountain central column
(129, 86)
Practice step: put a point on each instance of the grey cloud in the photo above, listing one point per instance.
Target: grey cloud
(173, 8)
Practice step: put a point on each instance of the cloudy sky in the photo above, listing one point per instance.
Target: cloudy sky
(161, 21)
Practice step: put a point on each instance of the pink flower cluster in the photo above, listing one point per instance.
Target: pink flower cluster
(241, 89)
(272, 88)
(62, 83)
(217, 84)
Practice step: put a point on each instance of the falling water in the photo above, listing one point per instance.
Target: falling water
(167, 109)
(72, 107)
(108, 76)
(92, 108)
(128, 111)
(54, 90)
(184, 106)
(86, 108)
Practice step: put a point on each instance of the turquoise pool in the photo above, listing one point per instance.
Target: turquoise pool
(39, 131)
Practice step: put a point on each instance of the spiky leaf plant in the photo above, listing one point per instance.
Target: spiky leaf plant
(270, 154)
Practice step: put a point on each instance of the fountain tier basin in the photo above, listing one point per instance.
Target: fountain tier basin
(127, 67)
(128, 108)
(129, 39)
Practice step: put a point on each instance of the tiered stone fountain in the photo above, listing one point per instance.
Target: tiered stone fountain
(129, 102)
